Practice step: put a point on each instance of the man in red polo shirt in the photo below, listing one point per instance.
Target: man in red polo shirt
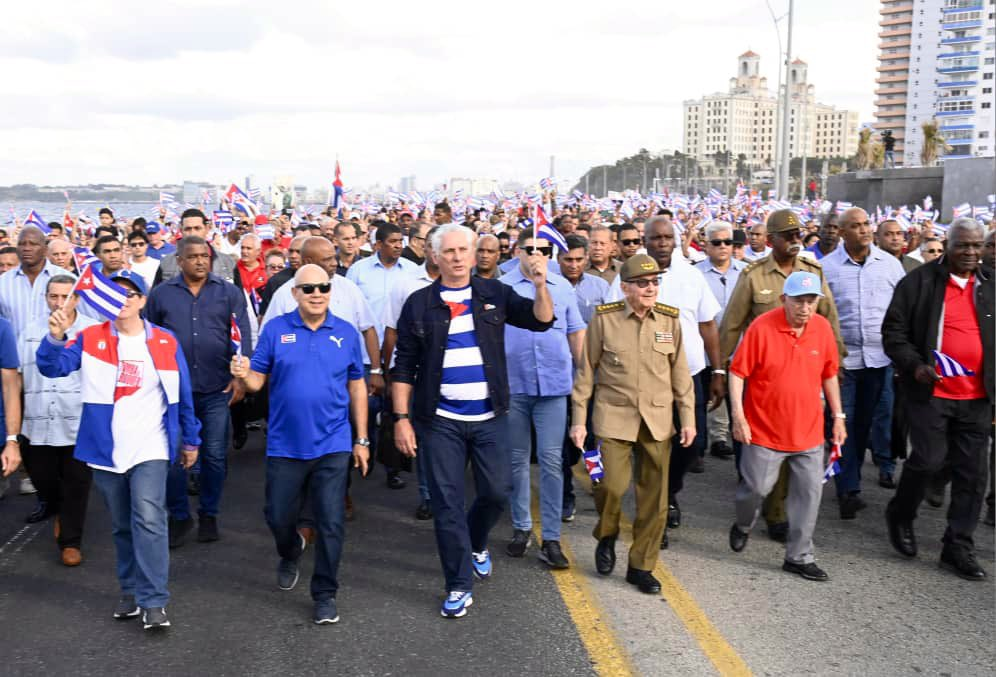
(939, 332)
(787, 356)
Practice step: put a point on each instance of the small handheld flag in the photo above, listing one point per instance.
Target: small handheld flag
(84, 257)
(593, 464)
(949, 367)
(833, 464)
(35, 219)
(103, 294)
(236, 336)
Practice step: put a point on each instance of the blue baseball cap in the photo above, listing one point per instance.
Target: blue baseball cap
(153, 227)
(134, 278)
(801, 283)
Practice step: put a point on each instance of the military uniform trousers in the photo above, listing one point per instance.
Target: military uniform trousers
(653, 457)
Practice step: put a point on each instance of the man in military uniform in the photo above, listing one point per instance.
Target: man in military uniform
(759, 290)
(634, 352)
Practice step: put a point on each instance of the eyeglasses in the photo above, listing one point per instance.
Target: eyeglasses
(138, 243)
(545, 251)
(275, 266)
(133, 294)
(717, 243)
(308, 289)
(934, 251)
(645, 282)
(416, 237)
(629, 243)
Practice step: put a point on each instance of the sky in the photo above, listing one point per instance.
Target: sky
(212, 90)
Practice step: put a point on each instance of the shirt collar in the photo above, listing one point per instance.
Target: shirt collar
(47, 268)
(297, 321)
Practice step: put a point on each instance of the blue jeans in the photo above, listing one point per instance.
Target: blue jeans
(447, 445)
(881, 430)
(212, 411)
(323, 481)
(136, 501)
(860, 393)
(549, 416)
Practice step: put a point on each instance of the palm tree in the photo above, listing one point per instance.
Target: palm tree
(934, 145)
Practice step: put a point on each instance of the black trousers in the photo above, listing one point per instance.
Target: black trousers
(64, 484)
(682, 457)
(948, 433)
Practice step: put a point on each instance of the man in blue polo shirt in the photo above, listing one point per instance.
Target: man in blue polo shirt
(314, 365)
(158, 247)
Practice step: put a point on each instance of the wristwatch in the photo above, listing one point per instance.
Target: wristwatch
(842, 416)
(362, 441)
(378, 372)
(399, 417)
(13, 438)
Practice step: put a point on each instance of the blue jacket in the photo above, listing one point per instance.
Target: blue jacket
(423, 330)
(94, 352)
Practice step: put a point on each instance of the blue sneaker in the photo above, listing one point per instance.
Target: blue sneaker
(482, 564)
(455, 605)
(326, 612)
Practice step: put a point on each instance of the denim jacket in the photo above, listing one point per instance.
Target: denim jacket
(423, 331)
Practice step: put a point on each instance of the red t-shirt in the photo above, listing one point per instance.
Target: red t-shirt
(252, 279)
(962, 342)
(784, 378)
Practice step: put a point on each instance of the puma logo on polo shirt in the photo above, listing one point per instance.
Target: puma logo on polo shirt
(338, 341)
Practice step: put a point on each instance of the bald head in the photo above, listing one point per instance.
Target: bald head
(851, 215)
(310, 273)
(319, 251)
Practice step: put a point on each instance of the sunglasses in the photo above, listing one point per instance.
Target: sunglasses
(629, 243)
(275, 266)
(133, 294)
(717, 243)
(545, 251)
(308, 289)
(645, 282)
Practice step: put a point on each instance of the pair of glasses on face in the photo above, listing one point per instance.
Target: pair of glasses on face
(645, 282)
(717, 243)
(275, 267)
(629, 243)
(308, 289)
(545, 251)
(133, 294)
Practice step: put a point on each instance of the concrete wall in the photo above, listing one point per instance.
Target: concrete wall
(888, 187)
(969, 180)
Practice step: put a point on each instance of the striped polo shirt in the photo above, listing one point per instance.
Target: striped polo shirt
(464, 390)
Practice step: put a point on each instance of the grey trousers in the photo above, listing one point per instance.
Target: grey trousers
(759, 467)
(719, 425)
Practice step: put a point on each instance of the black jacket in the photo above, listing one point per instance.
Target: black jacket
(909, 330)
(423, 330)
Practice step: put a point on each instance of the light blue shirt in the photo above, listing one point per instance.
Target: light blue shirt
(862, 293)
(721, 284)
(513, 263)
(591, 291)
(375, 281)
(539, 362)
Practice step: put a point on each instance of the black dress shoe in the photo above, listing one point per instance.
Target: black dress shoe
(935, 499)
(207, 529)
(721, 450)
(643, 580)
(605, 555)
(423, 511)
(239, 438)
(963, 563)
(697, 465)
(886, 481)
(901, 535)
(41, 512)
(738, 539)
(778, 531)
(178, 530)
(850, 504)
(394, 480)
(673, 516)
(665, 541)
(809, 571)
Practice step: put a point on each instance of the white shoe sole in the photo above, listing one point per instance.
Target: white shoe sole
(327, 621)
(297, 575)
(146, 626)
(461, 613)
(131, 614)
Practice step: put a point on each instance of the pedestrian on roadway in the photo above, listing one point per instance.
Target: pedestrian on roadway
(137, 409)
(787, 356)
(313, 362)
(451, 354)
(633, 366)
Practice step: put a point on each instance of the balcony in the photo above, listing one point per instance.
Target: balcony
(955, 128)
(957, 55)
(892, 78)
(903, 42)
(966, 66)
(954, 113)
(962, 40)
(894, 67)
(890, 90)
(970, 6)
(895, 21)
(898, 7)
(892, 32)
(898, 113)
(958, 83)
(956, 25)
(890, 102)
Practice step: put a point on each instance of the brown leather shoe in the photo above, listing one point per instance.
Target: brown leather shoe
(350, 513)
(72, 557)
(57, 528)
(307, 533)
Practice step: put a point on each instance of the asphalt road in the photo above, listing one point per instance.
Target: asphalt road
(719, 612)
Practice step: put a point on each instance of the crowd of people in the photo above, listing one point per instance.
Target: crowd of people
(425, 339)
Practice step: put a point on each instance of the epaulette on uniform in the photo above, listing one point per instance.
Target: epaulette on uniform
(666, 309)
(610, 307)
(749, 267)
(813, 262)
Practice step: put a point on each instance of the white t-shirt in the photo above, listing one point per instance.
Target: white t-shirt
(137, 426)
(147, 269)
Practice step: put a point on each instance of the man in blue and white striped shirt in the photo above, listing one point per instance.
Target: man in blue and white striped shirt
(22, 290)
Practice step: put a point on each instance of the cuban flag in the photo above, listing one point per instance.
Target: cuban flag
(84, 257)
(236, 337)
(35, 219)
(833, 464)
(223, 219)
(593, 464)
(842, 207)
(166, 197)
(265, 231)
(106, 297)
(546, 183)
(237, 198)
(337, 193)
(547, 231)
(964, 209)
(948, 367)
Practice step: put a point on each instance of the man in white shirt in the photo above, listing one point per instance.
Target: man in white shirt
(141, 262)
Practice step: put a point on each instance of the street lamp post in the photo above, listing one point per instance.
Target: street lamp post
(785, 187)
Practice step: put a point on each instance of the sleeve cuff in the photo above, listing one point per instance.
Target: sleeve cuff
(54, 341)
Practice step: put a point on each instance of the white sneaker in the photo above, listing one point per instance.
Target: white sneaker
(27, 487)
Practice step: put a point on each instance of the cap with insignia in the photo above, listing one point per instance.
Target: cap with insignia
(638, 265)
(783, 220)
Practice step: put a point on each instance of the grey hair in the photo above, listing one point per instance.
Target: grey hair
(254, 236)
(603, 229)
(446, 229)
(717, 227)
(965, 223)
(653, 221)
(484, 236)
(59, 279)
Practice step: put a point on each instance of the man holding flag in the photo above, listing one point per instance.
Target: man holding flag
(787, 356)
(939, 334)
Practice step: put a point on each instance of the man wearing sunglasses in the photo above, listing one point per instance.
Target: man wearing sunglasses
(313, 362)
(629, 241)
(759, 290)
(634, 366)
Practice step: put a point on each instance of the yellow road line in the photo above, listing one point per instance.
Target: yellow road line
(715, 647)
(603, 646)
